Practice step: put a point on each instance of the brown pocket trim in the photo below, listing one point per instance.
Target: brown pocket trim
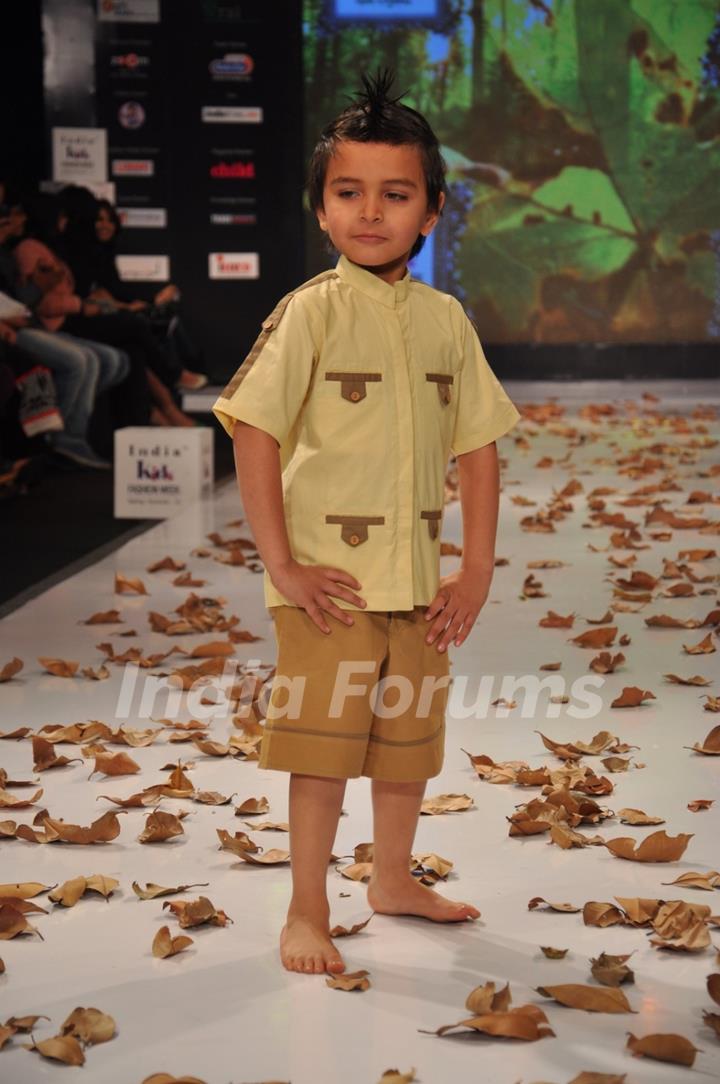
(352, 385)
(443, 382)
(433, 521)
(355, 528)
(354, 376)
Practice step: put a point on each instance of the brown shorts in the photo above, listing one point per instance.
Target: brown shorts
(372, 701)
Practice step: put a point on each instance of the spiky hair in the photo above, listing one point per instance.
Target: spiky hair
(375, 116)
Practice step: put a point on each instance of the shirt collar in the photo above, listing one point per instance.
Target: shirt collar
(390, 294)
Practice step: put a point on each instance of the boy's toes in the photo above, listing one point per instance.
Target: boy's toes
(335, 963)
(318, 965)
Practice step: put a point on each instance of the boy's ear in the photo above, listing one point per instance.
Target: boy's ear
(322, 220)
(433, 216)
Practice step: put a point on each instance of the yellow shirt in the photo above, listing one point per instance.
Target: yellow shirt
(367, 387)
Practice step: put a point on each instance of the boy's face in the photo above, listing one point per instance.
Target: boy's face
(375, 205)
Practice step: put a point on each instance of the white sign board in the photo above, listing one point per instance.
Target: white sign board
(143, 268)
(158, 471)
(79, 155)
(128, 11)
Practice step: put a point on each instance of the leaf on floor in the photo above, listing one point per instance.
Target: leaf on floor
(657, 847)
(588, 998)
(663, 1047)
(10, 669)
(164, 945)
(355, 980)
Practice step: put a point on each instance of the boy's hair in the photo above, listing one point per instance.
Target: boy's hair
(374, 117)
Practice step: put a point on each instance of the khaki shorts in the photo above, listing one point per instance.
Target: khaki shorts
(372, 701)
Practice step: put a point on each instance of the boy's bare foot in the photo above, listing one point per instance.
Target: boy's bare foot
(306, 946)
(411, 898)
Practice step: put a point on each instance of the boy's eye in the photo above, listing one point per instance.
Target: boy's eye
(346, 192)
(397, 196)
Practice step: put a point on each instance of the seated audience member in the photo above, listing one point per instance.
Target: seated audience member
(80, 370)
(63, 310)
(89, 245)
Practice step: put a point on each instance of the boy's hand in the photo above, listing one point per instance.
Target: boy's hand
(458, 601)
(309, 587)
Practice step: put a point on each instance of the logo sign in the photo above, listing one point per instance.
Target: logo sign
(156, 474)
(131, 115)
(133, 167)
(233, 67)
(128, 11)
(232, 114)
(143, 218)
(224, 219)
(143, 268)
(79, 155)
(239, 171)
(129, 63)
(234, 265)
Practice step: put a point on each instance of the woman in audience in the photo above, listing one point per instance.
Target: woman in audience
(89, 246)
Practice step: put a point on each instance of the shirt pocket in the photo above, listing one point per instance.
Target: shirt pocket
(354, 529)
(443, 382)
(353, 385)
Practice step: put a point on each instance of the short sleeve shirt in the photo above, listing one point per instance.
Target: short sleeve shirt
(368, 387)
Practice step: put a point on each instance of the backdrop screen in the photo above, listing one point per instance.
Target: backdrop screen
(582, 139)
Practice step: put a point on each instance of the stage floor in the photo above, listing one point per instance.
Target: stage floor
(225, 1010)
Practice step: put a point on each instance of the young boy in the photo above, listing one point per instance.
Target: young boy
(343, 416)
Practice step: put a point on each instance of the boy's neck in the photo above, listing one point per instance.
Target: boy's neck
(389, 272)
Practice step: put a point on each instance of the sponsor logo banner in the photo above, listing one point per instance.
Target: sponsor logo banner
(234, 265)
(233, 67)
(133, 167)
(143, 218)
(241, 171)
(143, 268)
(129, 64)
(79, 154)
(232, 114)
(225, 219)
(131, 115)
(128, 11)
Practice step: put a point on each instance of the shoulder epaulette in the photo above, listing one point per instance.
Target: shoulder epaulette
(267, 327)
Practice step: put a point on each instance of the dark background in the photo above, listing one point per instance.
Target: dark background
(225, 316)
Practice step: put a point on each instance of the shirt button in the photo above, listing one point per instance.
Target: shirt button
(354, 539)
(354, 395)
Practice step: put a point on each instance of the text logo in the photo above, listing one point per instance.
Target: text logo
(231, 114)
(234, 265)
(129, 63)
(242, 171)
(232, 67)
(154, 473)
(133, 167)
(225, 219)
(131, 115)
(129, 11)
(143, 218)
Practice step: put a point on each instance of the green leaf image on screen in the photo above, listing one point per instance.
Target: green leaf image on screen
(582, 139)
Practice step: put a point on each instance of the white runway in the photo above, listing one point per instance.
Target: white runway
(225, 1010)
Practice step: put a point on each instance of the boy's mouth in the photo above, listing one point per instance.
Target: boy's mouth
(369, 237)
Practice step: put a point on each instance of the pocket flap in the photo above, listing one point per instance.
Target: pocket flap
(355, 528)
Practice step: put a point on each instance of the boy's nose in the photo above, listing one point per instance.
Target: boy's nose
(371, 210)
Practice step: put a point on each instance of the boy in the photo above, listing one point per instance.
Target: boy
(343, 416)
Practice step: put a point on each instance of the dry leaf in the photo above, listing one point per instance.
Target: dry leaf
(631, 697)
(164, 945)
(554, 953)
(711, 744)
(589, 998)
(356, 980)
(152, 891)
(700, 804)
(114, 764)
(125, 586)
(89, 1026)
(63, 1048)
(611, 970)
(447, 803)
(667, 1047)
(59, 667)
(637, 817)
(657, 847)
(10, 669)
(107, 617)
(159, 827)
(568, 908)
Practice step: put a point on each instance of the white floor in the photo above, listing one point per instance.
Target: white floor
(226, 1010)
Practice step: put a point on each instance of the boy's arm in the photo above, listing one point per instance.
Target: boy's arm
(462, 594)
(257, 462)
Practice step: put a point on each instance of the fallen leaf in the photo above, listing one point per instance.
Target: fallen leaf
(355, 980)
(589, 998)
(657, 847)
(10, 669)
(663, 1047)
(164, 945)
(125, 586)
(631, 697)
(59, 668)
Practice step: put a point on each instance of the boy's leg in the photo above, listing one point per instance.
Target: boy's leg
(392, 889)
(315, 803)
